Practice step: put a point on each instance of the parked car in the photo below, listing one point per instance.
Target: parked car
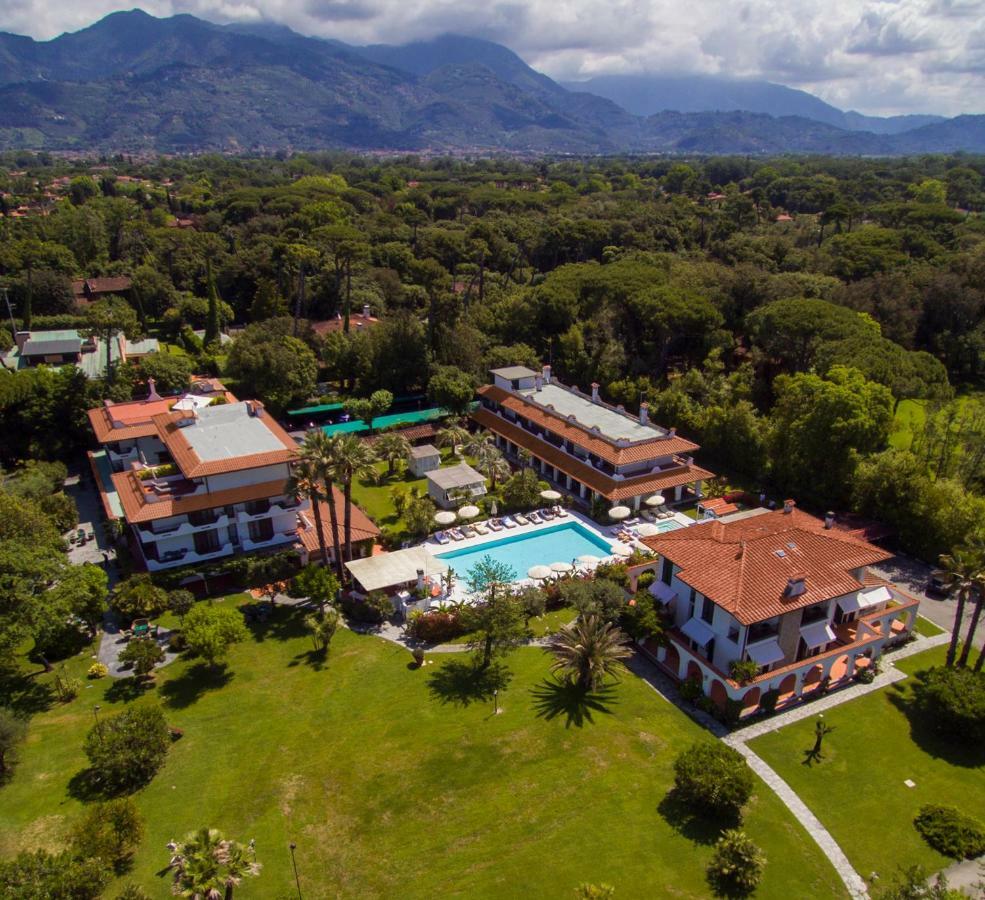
(939, 583)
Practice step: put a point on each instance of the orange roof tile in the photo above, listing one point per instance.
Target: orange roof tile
(363, 527)
(136, 508)
(745, 566)
(135, 419)
(578, 434)
(609, 487)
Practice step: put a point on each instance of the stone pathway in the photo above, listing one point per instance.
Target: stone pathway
(967, 876)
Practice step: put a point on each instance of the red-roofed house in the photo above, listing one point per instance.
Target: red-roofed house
(357, 322)
(585, 445)
(86, 290)
(783, 589)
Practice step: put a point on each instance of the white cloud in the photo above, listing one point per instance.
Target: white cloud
(877, 56)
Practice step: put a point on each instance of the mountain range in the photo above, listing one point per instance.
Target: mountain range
(132, 82)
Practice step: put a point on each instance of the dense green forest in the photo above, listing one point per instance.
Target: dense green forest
(817, 324)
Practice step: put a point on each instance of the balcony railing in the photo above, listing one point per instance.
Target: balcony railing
(187, 558)
(181, 529)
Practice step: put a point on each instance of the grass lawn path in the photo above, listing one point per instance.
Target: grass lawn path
(393, 783)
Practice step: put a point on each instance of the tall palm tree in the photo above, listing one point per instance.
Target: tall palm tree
(962, 566)
(491, 463)
(352, 460)
(319, 448)
(306, 482)
(589, 650)
(392, 447)
(453, 435)
(206, 866)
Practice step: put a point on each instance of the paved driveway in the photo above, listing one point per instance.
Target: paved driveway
(912, 575)
(83, 491)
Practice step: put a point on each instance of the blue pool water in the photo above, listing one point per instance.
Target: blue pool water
(560, 543)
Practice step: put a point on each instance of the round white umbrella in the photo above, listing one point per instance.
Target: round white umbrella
(647, 529)
(589, 560)
(562, 567)
(445, 517)
(655, 500)
(468, 512)
(550, 495)
(619, 512)
(621, 550)
(538, 572)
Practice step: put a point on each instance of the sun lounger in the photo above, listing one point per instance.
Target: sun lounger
(560, 512)
(455, 534)
(495, 525)
(545, 514)
(533, 517)
(441, 537)
(481, 528)
(521, 519)
(664, 508)
(468, 531)
(508, 522)
(633, 521)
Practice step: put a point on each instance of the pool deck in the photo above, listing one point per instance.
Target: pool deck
(607, 534)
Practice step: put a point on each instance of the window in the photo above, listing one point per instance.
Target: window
(666, 571)
(206, 541)
(708, 610)
(816, 613)
(202, 517)
(733, 633)
(261, 530)
(256, 507)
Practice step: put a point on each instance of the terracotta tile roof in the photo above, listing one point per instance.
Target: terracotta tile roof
(357, 322)
(93, 286)
(192, 467)
(606, 485)
(577, 434)
(363, 527)
(136, 508)
(745, 566)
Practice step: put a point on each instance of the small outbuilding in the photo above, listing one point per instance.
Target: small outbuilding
(455, 485)
(424, 459)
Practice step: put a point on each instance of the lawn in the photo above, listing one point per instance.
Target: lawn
(909, 420)
(393, 782)
(548, 623)
(857, 788)
(926, 627)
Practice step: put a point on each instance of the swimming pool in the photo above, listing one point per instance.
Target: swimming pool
(559, 543)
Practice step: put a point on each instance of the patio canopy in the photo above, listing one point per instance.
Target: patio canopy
(817, 634)
(698, 631)
(562, 567)
(394, 569)
(865, 599)
(663, 592)
(765, 653)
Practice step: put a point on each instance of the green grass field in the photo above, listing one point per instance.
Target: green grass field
(909, 420)
(926, 627)
(395, 781)
(857, 789)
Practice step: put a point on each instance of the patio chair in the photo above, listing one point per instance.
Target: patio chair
(545, 514)
(520, 519)
(508, 522)
(468, 531)
(455, 534)
(480, 527)
(533, 517)
(664, 508)
(560, 512)
(496, 525)
(649, 516)
(633, 521)
(441, 537)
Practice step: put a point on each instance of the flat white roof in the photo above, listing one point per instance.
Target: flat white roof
(610, 422)
(424, 451)
(512, 373)
(228, 432)
(376, 573)
(462, 475)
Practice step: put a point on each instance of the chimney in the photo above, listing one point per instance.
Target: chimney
(788, 506)
(796, 584)
(365, 310)
(673, 431)
(21, 338)
(539, 382)
(152, 393)
(547, 374)
(689, 461)
(258, 409)
(595, 392)
(829, 520)
(249, 407)
(644, 413)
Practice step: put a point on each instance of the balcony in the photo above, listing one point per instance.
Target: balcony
(277, 539)
(182, 529)
(275, 509)
(187, 558)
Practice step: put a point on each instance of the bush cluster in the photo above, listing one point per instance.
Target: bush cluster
(435, 627)
(737, 865)
(950, 831)
(954, 701)
(713, 778)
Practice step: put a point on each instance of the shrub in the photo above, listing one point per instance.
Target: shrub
(418, 654)
(143, 654)
(743, 670)
(951, 832)
(126, 750)
(435, 627)
(691, 688)
(181, 602)
(177, 643)
(374, 609)
(44, 876)
(731, 712)
(866, 675)
(615, 571)
(13, 730)
(139, 598)
(767, 703)
(737, 864)
(97, 670)
(645, 580)
(132, 892)
(66, 687)
(211, 630)
(110, 831)
(954, 700)
(713, 778)
(322, 626)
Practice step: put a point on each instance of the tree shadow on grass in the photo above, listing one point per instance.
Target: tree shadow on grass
(281, 624)
(957, 750)
(25, 694)
(197, 680)
(463, 682)
(724, 887)
(699, 827)
(573, 701)
(123, 690)
(317, 659)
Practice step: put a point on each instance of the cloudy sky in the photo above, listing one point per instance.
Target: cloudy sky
(883, 57)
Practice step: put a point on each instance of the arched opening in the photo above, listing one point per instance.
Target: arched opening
(672, 660)
(812, 680)
(693, 671)
(718, 693)
(750, 700)
(839, 670)
(786, 688)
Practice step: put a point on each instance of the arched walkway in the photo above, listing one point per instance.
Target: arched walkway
(750, 699)
(718, 693)
(840, 669)
(672, 660)
(693, 671)
(812, 680)
(786, 688)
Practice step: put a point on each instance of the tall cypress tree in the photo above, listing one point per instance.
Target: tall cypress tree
(212, 323)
